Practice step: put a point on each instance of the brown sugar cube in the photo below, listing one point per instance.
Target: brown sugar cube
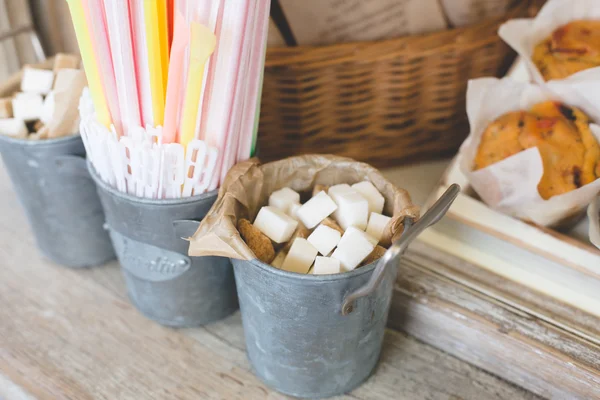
(330, 222)
(37, 125)
(62, 61)
(375, 255)
(258, 242)
(6, 108)
(319, 188)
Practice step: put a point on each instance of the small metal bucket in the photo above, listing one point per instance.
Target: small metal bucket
(164, 283)
(52, 183)
(316, 336)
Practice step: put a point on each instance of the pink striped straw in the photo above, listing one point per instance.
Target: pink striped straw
(257, 65)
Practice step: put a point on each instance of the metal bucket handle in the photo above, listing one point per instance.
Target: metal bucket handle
(412, 229)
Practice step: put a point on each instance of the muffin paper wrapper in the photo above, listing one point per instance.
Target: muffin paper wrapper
(524, 34)
(510, 186)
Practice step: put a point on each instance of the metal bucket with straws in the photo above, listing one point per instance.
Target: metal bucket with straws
(164, 283)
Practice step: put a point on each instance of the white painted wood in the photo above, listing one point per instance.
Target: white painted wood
(511, 262)
(472, 212)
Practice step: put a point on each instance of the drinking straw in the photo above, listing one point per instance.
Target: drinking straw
(171, 20)
(163, 35)
(117, 20)
(240, 94)
(214, 13)
(175, 82)
(96, 21)
(251, 113)
(154, 60)
(207, 12)
(202, 45)
(221, 93)
(142, 66)
(89, 61)
(257, 116)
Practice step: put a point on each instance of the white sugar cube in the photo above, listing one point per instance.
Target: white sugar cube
(370, 192)
(276, 224)
(48, 108)
(37, 80)
(326, 266)
(293, 211)
(354, 247)
(13, 127)
(353, 210)
(350, 232)
(316, 210)
(337, 190)
(283, 199)
(300, 257)
(324, 239)
(27, 106)
(377, 224)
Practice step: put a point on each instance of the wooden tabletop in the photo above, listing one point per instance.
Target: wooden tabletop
(72, 334)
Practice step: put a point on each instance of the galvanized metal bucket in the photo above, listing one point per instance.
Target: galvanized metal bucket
(164, 283)
(316, 336)
(59, 197)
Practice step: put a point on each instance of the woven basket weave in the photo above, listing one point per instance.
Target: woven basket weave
(385, 103)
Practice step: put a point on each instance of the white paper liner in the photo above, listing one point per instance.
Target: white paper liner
(593, 214)
(510, 186)
(524, 34)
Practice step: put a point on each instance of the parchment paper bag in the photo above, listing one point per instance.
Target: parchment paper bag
(525, 33)
(248, 185)
(510, 186)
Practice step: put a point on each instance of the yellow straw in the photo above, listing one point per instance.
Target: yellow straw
(89, 62)
(163, 33)
(202, 45)
(155, 61)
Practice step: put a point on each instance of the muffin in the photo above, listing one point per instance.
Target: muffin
(569, 151)
(571, 48)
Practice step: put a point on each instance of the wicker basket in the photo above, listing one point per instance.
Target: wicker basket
(385, 103)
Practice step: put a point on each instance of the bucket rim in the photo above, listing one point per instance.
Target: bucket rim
(40, 142)
(142, 200)
(310, 277)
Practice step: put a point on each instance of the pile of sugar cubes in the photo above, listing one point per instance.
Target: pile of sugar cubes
(29, 110)
(336, 231)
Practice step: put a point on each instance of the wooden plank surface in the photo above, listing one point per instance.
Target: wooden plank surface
(483, 320)
(71, 334)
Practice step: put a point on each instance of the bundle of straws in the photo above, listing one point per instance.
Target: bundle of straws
(174, 90)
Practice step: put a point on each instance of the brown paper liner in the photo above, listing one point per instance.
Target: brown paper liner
(319, 188)
(248, 185)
